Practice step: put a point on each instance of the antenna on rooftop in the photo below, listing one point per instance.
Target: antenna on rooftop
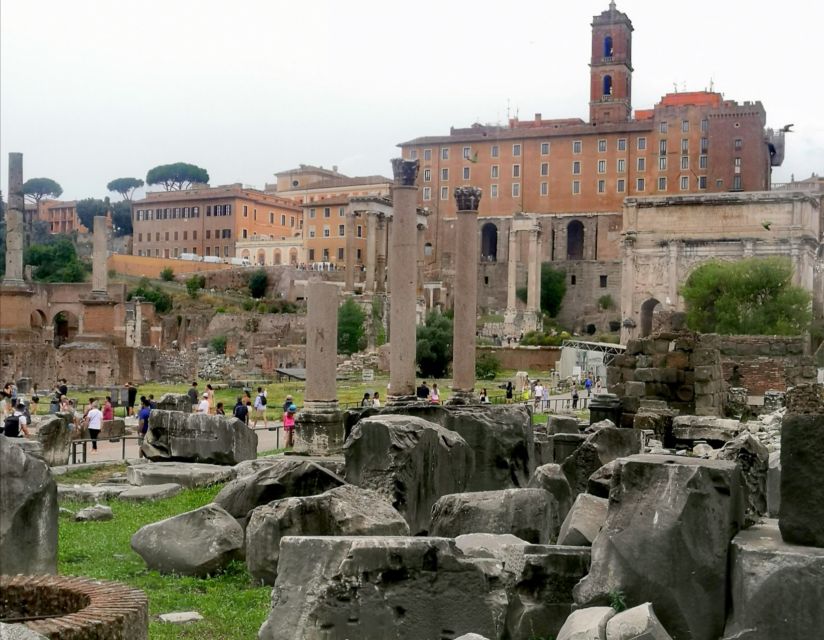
(675, 86)
(507, 110)
(712, 84)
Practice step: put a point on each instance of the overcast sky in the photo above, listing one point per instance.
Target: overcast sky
(92, 90)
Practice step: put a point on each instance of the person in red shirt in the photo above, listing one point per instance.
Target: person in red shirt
(108, 409)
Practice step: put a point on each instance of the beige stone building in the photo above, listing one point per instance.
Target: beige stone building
(60, 215)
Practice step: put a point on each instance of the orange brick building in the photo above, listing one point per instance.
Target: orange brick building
(208, 221)
(61, 216)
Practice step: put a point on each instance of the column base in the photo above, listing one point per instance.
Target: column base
(408, 399)
(319, 429)
(510, 322)
(530, 321)
(462, 398)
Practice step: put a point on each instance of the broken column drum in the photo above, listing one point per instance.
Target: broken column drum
(402, 276)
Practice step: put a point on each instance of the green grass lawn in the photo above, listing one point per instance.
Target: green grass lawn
(230, 605)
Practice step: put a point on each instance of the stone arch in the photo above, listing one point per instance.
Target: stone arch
(489, 242)
(607, 85)
(66, 325)
(261, 257)
(647, 309)
(37, 319)
(293, 257)
(575, 240)
(608, 47)
(245, 254)
(276, 258)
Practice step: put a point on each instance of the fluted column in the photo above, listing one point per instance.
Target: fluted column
(380, 257)
(100, 254)
(533, 270)
(511, 271)
(349, 250)
(420, 276)
(465, 298)
(371, 246)
(403, 246)
(14, 223)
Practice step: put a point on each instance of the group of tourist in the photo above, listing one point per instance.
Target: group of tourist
(15, 415)
(423, 392)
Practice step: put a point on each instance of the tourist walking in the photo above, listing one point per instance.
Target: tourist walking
(289, 425)
(485, 397)
(131, 398)
(219, 410)
(94, 422)
(241, 411)
(376, 400)
(366, 401)
(108, 409)
(210, 396)
(260, 407)
(143, 424)
(537, 396)
(15, 424)
(422, 392)
(574, 396)
(203, 405)
(287, 403)
(35, 400)
(509, 392)
(598, 387)
(588, 385)
(193, 396)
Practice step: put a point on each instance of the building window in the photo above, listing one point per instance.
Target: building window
(194, 235)
(516, 150)
(326, 231)
(544, 148)
(245, 233)
(245, 211)
(602, 186)
(544, 168)
(327, 212)
(662, 183)
(685, 163)
(705, 125)
(622, 144)
(359, 231)
(572, 280)
(602, 166)
(493, 191)
(427, 155)
(312, 212)
(576, 146)
(413, 154)
(444, 193)
(640, 184)
(576, 168)
(140, 237)
(702, 182)
(685, 183)
(340, 253)
(662, 127)
(642, 144)
(311, 255)
(311, 232)
(602, 145)
(737, 162)
(494, 171)
(662, 147)
(291, 221)
(494, 152)
(544, 188)
(516, 171)
(466, 173)
(466, 151)
(622, 165)
(603, 281)
(576, 187)
(427, 193)
(427, 175)
(444, 153)
(444, 174)
(705, 145)
(702, 162)
(685, 145)
(167, 237)
(662, 164)
(685, 126)
(516, 189)
(736, 183)
(341, 230)
(738, 143)
(620, 185)
(185, 236)
(642, 164)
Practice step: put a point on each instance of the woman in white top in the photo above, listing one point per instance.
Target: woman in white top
(94, 422)
(375, 400)
(203, 407)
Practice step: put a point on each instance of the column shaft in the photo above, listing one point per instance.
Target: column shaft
(533, 269)
(511, 270)
(100, 254)
(465, 301)
(321, 341)
(349, 250)
(14, 222)
(380, 259)
(371, 245)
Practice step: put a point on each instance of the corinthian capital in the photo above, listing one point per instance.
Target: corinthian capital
(405, 171)
(467, 198)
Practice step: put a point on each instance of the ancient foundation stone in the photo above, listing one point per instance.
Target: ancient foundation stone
(56, 437)
(331, 588)
(175, 402)
(665, 541)
(586, 624)
(715, 431)
(584, 521)
(186, 474)
(801, 516)
(551, 478)
(28, 513)
(525, 513)
(410, 461)
(601, 447)
(637, 623)
(344, 511)
(753, 457)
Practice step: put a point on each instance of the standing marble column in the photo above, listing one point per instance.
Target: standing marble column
(533, 271)
(380, 258)
(511, 271)
(14, 223)
(371, 246)
(349, 249)
(465, 299)
(420, 277)
(403, 243)
(100, 255)
(319, 423)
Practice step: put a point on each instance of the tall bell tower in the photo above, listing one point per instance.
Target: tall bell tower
(611, 67)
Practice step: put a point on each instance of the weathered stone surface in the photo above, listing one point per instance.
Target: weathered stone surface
(540, 596)
(196, 543)
(774, 484)
(286, 478)
(335, 464)
(186, 474)
(113, 429)
(599, 482)
(56, 437)
(95, 513)
(525, 513)
(151, 492)
(331, 588)
(180, 617)
(657, 421)
(584, 520)
(637, 623)
(801, 517)
(586, 624)
(410, 461)
(715, 431)
(565, 444)
(562, 424)
(88, 492)
(666, 539)
(175, 402)
(471, 636)
(777, 588)
(753, 457)
(196, 437)
(601, 447)
(500, 437)
(18, 632)
(489, 545)
(28, 513)
(343, 511)
(551, 478)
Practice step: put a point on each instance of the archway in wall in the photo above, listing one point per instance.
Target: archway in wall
(277, 258)
(608, 47)
(489, 243)
(66, 326)
(647, 309)
(245, 254)
(575, 240)
(293, 257)
(261, 257)
(37, 319)
(607, 85)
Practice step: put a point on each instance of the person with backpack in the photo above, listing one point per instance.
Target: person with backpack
(15, 424)
(241, 411)
(259, 407)
(143, 423)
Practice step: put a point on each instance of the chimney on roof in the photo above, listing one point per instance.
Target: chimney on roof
(537, 117)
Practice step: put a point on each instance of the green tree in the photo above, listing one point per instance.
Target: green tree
(351, 336)
(218, 344)
(553, 289)
(167, 274)
(748, 297)
(125, 187)
(122, 218)
(179, 175)
(434, 345)
(56, 262)
(487, 366)
(258, 282)
(35, 189)
(161, 300)
(88, 208)
(193, 286)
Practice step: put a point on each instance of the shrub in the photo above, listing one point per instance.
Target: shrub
(258, 282)
(434, 345)
(249, 304)
(218, 344)
(167, 274)
(553, 289)
(162, 301)
(606, 302)
(351, 336)
(193, 286)
(487, 366)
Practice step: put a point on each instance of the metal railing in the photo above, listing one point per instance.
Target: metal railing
(84, 442)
